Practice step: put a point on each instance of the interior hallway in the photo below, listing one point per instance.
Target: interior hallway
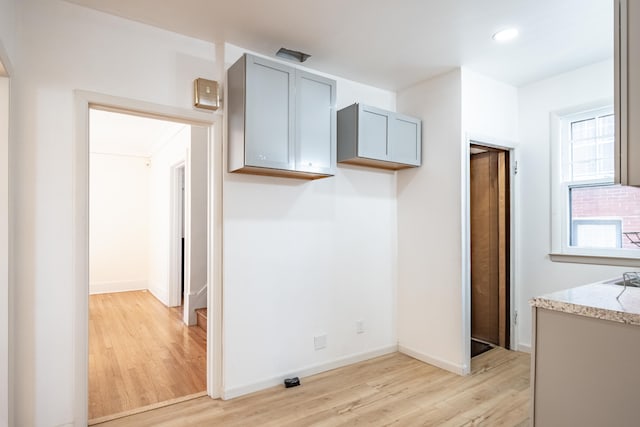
(140, 353)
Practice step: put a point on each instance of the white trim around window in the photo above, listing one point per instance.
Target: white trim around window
(561, 251)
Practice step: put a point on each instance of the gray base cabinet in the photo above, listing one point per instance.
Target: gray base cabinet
(374, 137)
(585, 371)
(627, 90)
(281, 120)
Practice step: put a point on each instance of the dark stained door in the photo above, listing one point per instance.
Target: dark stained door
(488, 215)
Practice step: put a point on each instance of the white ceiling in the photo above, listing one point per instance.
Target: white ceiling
(124, 134)
(393, 44)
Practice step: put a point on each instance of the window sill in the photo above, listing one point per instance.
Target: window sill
(596, 259)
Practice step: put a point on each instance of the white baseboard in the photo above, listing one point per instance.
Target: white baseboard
(308, 371)
(443, 364)
(117, 286)
(526, 348)
(163, 297)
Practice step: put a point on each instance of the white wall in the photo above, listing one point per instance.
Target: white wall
(305, 258)
(63, 48)
(4, 251)
(196, 224)
(429, 228)
(171, 154)
(536, 274)
(300, 257)
(7, 55)
(118, 223)
(489, 108)
(489, 116)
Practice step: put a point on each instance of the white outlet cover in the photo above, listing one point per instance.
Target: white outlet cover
(320, 342)
(360, 327)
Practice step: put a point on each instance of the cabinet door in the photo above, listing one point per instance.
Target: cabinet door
(373, 133)
(633, 100)
(405, 140)
(269, 114)
(315, 123)
(627, 91)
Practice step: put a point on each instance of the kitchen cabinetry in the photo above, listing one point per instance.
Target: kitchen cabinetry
(627, 91)
(374, 137)
(281, 120)
(586, 347)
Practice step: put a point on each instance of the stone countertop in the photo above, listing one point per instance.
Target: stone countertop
(596, 300)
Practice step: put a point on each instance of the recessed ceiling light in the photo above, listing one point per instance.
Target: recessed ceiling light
(505, 35)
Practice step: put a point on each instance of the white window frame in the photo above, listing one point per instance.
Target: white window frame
(561, 251)
(565, 121)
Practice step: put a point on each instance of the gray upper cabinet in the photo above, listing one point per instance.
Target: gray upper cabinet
(405, 145)
(281, 120)
(627, 91)
(373, 133)
(269, 99)
(374, 137)
(315, 143)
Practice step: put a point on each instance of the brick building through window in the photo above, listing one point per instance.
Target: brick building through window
(608, 202)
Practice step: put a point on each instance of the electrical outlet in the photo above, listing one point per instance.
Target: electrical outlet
(320, 342)
(359, 326)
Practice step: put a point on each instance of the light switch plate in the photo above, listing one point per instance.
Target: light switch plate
(206, 94)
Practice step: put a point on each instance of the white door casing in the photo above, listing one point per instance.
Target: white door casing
(176, 223)
(195, 283)
(83, 101)
(466, 247)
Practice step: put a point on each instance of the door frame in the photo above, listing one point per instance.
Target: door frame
(177, 217)
(510, 147)
(84, 100)
(6, 375)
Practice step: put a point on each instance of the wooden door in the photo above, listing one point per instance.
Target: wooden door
(489, 214)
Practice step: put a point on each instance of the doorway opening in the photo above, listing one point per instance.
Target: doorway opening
(490, 251)
(148, 209)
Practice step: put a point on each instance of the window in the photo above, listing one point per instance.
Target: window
(596, 233)
(592, 216)
(590, 145)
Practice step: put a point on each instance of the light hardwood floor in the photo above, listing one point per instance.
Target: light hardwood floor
(390, 390)
(140, 353)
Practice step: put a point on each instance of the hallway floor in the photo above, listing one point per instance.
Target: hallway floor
(389, 390)
(140, 353)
